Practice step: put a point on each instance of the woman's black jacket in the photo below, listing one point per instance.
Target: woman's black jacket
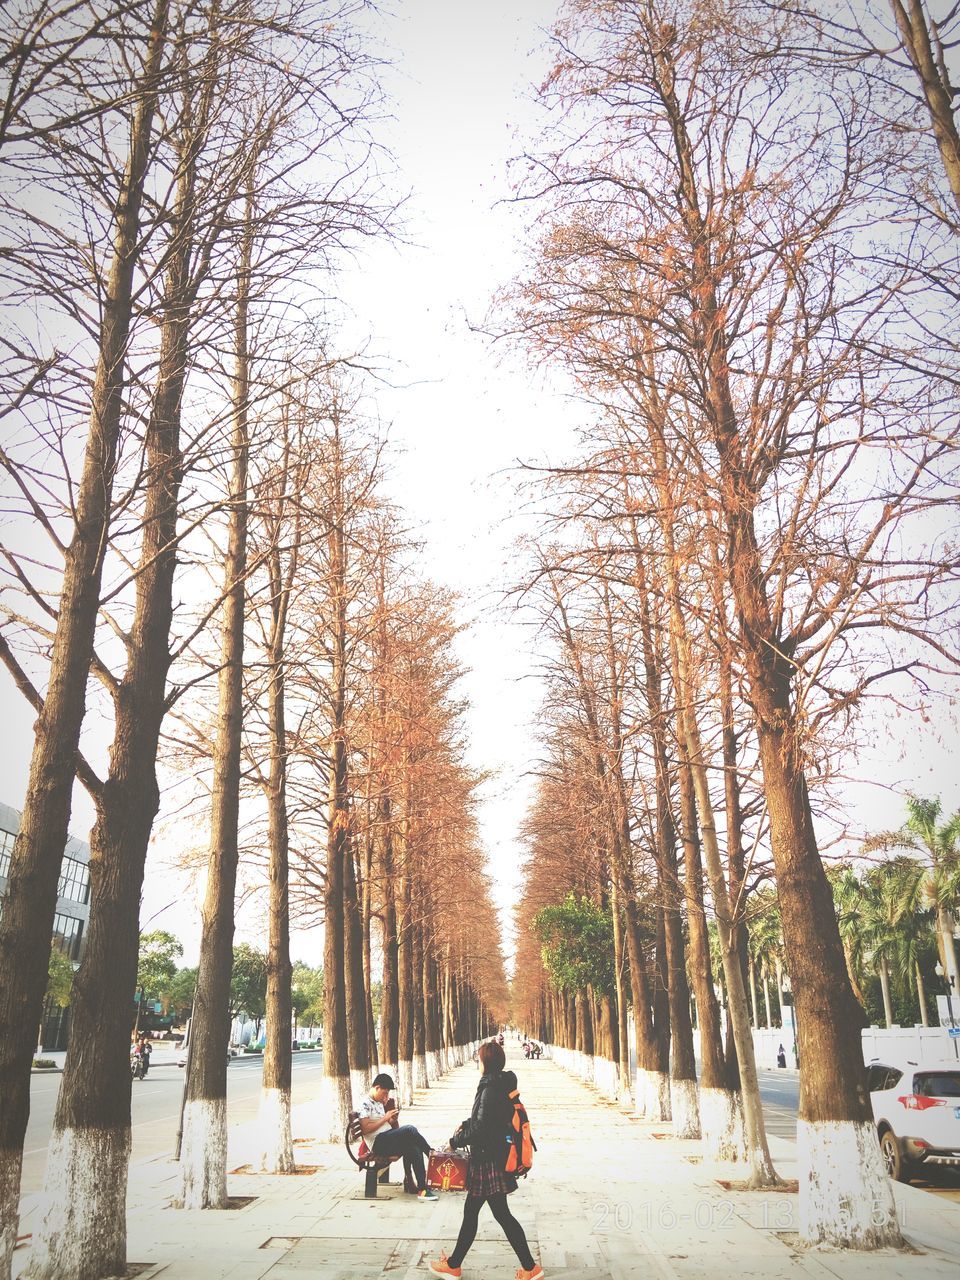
(486, 1130)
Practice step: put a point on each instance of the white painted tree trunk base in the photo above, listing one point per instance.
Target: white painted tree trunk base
(420, 1078)
(846, 1198)
(390, 1070)
(83, 1235)
(203, 1155)
(652, 1095)
(404, 1080)
(624, 1086)
(605, 1077)
(11, 1164)
(335, 1106)
(274, 1148)
(721, 1125)
(685, 1108)
(360, 1082)
(435, 1064)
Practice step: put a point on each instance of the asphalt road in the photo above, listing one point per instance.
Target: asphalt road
(156, 1107)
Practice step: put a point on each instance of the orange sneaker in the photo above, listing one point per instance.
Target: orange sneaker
(443, 1268)
(535, 1274)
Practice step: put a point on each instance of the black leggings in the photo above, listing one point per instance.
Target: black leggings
(511, 1229)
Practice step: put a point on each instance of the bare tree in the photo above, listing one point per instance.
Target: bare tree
(30, 900)
(776, 358)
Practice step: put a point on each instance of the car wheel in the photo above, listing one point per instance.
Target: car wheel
(897, 1167)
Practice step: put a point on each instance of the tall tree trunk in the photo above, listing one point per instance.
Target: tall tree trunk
(948, 950)
(921, 994)
(836, 1132)
(917, 40)
(620, 841)
(336, 1063)
(419, 1019)
(365, 890)
(884, 971)
(407, 994)
(852, 974)
(721, 1106)
(651, 1093)
(390, 1006)
(736, 861)
(30, 899)
(358, 1048)
(277, 1153)
(845, 1197)
(84, 1231)
(684, 1106)
(778, 970)
(584, 1034)
(760, 1165)
(765, 979)
(203, 1157)
(619, 959)
(431, 1032)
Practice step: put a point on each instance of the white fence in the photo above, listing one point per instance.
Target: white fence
(926, 1046)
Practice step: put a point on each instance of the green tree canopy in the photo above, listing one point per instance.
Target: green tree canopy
(577, 944)
(180, 993)
(308, 993)
(59, 978)
(248, 983)
(157, 966)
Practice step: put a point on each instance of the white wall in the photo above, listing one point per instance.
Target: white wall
(923, 1045)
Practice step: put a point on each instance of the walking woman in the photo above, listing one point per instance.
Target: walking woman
(487, 1183)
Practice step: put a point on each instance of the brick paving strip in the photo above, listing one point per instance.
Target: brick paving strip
(609, 1198)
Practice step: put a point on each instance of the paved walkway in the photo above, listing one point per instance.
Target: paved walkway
(610, 1198)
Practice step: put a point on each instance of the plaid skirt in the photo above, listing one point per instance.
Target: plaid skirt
(485, 1179)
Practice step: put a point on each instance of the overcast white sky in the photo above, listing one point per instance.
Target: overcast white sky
(459, 419)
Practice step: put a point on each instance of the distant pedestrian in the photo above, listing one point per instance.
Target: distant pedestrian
(485, 1134)
(781, 1057)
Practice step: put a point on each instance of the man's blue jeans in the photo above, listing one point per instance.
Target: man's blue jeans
(408, 1142)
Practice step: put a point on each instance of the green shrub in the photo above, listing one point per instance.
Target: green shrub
(44, 1062)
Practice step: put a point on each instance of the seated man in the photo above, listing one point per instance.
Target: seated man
(376, 1125)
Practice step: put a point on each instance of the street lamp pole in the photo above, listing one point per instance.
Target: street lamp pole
(953, 1030)
(186, 1079)
(938, 969)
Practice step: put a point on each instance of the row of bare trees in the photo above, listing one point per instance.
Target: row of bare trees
(745, 271)
(348, 770)
(202, 557)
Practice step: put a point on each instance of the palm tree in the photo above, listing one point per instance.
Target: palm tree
(847, 898)
(879, 912)
(765, 932)
(895, 925)
(924, 833)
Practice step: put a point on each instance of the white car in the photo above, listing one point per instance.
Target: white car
(917, 1111)
(182, 1060)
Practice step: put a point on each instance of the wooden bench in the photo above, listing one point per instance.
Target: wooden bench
(375, 1168)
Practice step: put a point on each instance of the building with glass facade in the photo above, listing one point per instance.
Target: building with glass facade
(73, 911)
